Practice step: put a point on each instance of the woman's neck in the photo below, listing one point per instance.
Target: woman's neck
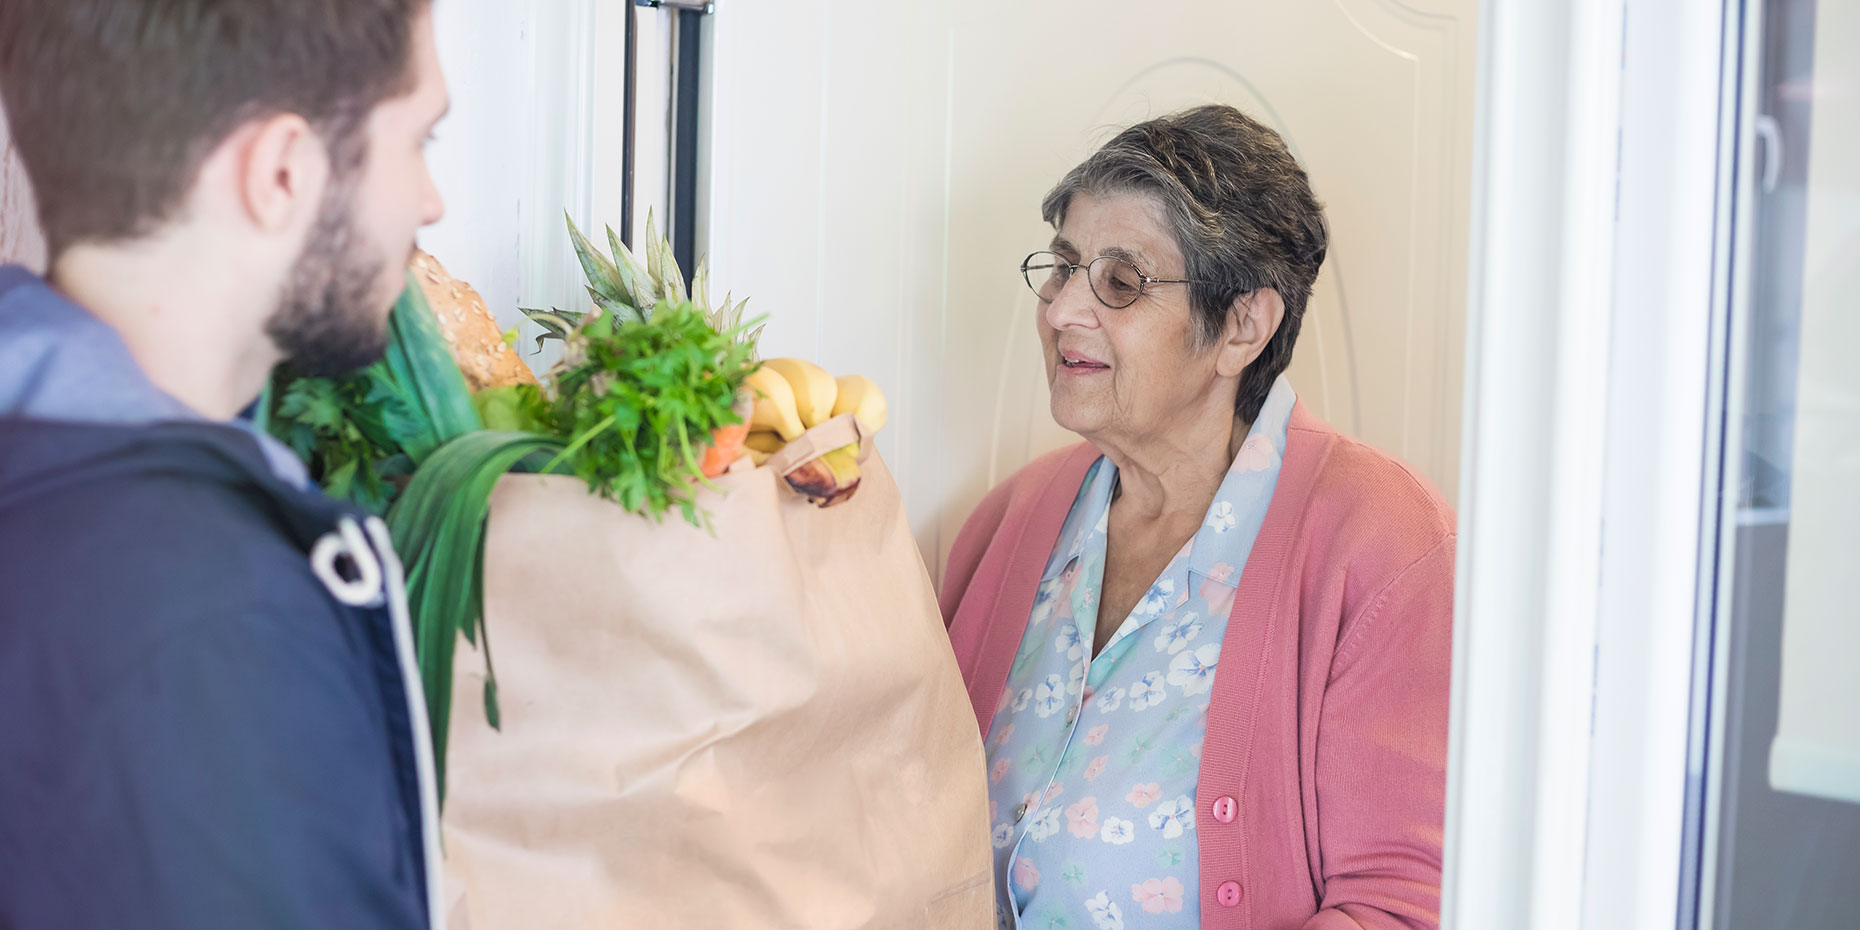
(1177, 470)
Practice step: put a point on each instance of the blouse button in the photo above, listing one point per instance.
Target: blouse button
(1020, 812)
(1228, 894)
(1224, 809)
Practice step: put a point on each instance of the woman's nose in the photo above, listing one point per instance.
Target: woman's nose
(1074, 306)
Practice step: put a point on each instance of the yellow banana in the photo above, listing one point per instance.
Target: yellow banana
(830, 479)
(775, 409)
(814, 389)
(861, 398)
(845, 464)
(764, 441)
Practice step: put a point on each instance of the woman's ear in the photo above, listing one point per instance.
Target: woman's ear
(1251, 323)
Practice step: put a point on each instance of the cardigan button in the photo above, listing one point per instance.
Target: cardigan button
(1224, 809)
(1228, 894)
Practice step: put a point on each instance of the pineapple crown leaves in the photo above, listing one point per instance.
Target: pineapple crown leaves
(605, 281)
(556, 324)
(628, 289)
(728, 318)
(623, 280)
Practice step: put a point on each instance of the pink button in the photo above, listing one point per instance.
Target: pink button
(1224, 809)
(1228, 894)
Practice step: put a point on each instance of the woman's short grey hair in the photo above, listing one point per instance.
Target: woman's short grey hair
(1241, 211)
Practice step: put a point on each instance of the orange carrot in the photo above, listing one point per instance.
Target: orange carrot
(726, 446)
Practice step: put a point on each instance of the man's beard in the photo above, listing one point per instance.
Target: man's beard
(326, 324)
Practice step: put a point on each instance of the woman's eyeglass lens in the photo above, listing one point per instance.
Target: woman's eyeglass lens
(1117, 283)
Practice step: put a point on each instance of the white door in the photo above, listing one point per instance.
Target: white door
(876, 172)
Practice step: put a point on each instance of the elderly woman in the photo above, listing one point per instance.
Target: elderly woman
(1209, 645)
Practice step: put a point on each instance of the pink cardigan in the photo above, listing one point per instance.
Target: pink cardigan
(1323, 778)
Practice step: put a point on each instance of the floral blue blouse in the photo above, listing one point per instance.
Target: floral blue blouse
(1093, 763)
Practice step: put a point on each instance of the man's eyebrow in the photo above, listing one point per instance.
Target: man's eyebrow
(1062, 244)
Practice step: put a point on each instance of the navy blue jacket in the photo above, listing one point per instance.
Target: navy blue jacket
(199, 726)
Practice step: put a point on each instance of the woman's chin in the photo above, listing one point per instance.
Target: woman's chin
(1082, 419)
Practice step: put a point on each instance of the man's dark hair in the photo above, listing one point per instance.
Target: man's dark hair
(114, 104)
(1240, 209)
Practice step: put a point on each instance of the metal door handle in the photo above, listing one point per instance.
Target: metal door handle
(1769, 134)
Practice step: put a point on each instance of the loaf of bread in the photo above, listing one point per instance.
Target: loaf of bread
(470, 328)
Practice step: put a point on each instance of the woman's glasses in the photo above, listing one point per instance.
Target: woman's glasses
(1116, 282)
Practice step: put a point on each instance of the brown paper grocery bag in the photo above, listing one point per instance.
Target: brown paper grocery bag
(764, 728)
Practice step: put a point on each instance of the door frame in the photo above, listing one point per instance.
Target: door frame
(1599, 295)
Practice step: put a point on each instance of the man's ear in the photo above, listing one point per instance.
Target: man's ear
(282, 169)
(1252, 321)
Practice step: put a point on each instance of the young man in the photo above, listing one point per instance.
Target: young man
(208, 710)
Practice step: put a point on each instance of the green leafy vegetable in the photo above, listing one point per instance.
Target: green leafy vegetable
(425, 372)
(364, 434)
(514, 407)
(647, 378)
(438, 529)
(640, 401)
(341, 430)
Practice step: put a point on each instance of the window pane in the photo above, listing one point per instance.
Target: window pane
(1789, 853)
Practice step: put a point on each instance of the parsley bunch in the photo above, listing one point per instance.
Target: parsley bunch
(639, 400)
(350, 432)
(362, 435)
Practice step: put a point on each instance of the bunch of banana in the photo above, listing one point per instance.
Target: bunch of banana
(793, 396)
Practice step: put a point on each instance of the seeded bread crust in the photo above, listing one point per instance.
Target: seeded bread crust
(470, 328)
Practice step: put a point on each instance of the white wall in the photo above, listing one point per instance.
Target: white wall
(535, 131)
(19, 228)
(477, 158)
(876, 172)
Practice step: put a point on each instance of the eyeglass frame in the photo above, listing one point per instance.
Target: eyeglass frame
(1072, 268)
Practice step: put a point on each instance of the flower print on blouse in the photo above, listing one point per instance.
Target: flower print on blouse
(1093, 762)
